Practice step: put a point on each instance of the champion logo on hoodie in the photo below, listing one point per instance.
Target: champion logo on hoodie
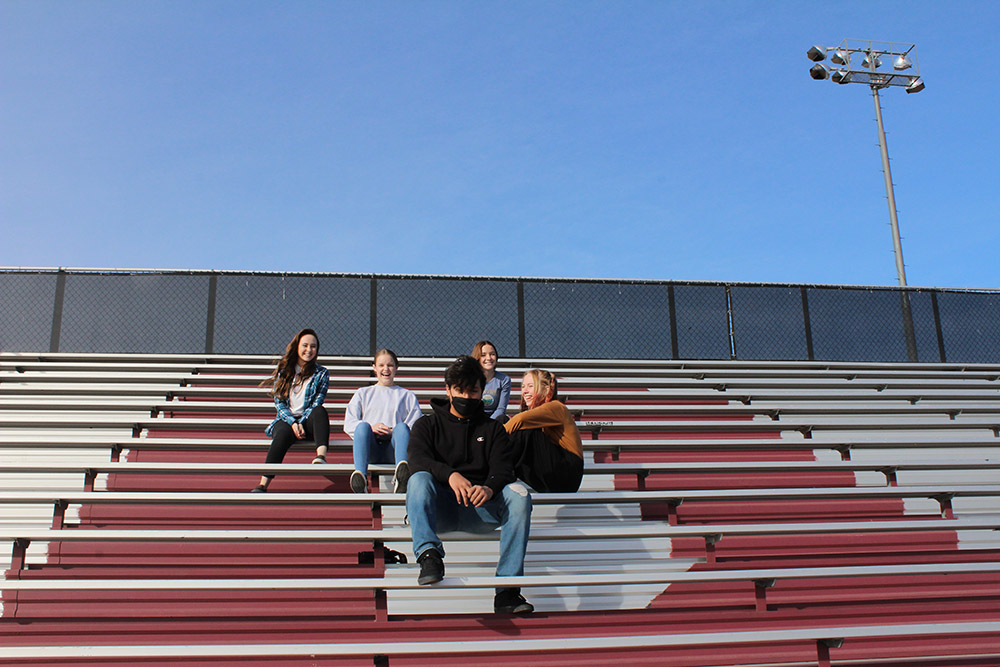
(481, 439)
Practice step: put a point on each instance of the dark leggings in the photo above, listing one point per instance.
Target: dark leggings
(543, 464)
(317, 428)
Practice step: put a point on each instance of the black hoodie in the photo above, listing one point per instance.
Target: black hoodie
(477, 448)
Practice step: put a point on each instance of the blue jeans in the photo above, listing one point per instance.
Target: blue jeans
(432, 507)
(370, 449)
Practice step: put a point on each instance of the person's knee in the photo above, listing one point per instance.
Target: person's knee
(518, 500)
(400, 434)
(421, 493)
(363, 430)
(420, 484)
(282, 428)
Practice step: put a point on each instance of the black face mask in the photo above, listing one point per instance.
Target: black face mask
(466, 407)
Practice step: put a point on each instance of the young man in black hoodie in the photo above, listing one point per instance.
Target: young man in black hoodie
(462, 478)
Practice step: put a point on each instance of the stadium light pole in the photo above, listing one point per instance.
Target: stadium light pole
(902, 71)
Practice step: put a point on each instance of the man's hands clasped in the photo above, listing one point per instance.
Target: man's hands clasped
(467, 493)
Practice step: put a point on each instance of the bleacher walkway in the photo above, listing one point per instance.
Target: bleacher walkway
(732, 513)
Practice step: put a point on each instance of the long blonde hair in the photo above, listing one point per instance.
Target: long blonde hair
(545, 385)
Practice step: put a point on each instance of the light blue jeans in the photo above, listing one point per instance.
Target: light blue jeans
(432, 507)
(369, 449)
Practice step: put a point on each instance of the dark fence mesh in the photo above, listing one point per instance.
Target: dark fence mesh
(856, 325)
(134, 313)
(970, 324)
(259, 314)
(442, 317)
(924, 327)
(768, 323)
(598, 320)
(864, 325)
(26, 307)
(172, 312)
(702, 322)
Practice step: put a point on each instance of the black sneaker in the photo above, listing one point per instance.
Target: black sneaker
(431, 567)
(399, 479)
(510, 601)
(359, 483)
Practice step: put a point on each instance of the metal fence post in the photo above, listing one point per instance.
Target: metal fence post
(805, 321)
(937, 326)
(57, 311)
(213, 282)
(674, 347)
(908, 333)
(729, 323)
(373, 319)
(521, 339)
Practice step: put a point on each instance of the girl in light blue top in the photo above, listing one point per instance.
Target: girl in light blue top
(496, 393)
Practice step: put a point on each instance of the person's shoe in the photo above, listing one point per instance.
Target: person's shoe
(260, 488)
(401, 476)
(431, 567)
(510, 601)
(359, 483)
(319, 459)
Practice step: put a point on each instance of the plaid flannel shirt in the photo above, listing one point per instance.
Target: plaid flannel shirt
(315, 395)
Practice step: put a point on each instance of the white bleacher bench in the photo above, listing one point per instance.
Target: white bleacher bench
(564, 367)
(842, 445)
(613, 446)
(173, 393)
(672, 499)
(433, 381)
(139, 423)
(581, 410)
(888, 468)
(365, 361)
(712, 534)
(823, 638)
(763, 579)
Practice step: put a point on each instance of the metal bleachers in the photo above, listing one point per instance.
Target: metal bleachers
(732, 513)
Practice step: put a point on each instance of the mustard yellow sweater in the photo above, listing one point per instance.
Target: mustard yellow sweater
(556, 423)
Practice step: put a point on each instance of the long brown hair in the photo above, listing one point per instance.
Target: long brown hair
(477, 350)
(545, 384)
(281, 379)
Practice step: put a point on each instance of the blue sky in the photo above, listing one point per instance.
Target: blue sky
(640, 140)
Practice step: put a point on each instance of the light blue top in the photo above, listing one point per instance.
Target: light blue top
(496, 396)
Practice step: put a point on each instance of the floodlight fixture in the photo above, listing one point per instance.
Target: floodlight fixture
(904, 57)
(841, 57)
(871, 61)
(819, 72)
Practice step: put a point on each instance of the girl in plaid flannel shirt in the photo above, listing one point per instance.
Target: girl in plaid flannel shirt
(298, 386)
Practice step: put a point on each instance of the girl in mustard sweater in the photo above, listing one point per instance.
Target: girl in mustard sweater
(548, 453)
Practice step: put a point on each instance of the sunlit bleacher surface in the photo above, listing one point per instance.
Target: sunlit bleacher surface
(732, 513)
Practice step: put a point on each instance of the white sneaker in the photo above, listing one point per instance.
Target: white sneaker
(359, 483)
(401, 477)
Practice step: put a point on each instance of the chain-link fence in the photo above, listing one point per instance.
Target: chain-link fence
(85, 311)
